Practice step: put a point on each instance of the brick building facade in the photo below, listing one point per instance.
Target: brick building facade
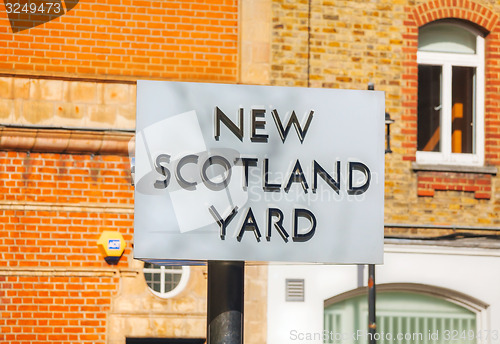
(67, 108)
(441, 202)
(347, 44)
(67, 119)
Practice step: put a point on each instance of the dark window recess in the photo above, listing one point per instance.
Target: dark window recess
(165, 341)
(429, 108)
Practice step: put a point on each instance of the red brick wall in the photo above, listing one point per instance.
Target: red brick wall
(492, 98)
(54, 208)
(410, 87)
(67, 179)
(431, 181)
(40, 309)
(154, 39)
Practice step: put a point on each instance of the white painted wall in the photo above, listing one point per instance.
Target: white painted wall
(475, 272)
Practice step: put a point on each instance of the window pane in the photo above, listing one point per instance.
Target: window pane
(168, 278)
(173, 269)
(463, 114)
(429, 108)
(153, 280)
(156, 284)
(446, 38)
(172, 281)
(162, 279)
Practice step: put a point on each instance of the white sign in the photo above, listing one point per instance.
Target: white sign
(258, 173)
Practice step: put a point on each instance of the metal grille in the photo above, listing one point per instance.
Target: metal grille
(402, 318)
(295, 290)
(458, 328)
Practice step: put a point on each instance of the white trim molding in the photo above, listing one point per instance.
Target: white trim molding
(447, 61)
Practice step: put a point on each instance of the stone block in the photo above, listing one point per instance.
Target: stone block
(6, 109)
(116, 93)
(18, 111)
(83, 92)
(41, 89)
(102, 115)
(70, 111)
(37, 112)
(127, 113)
(138, 327)
(21, 88)
(261, 53)
(6, 88)
(132, 95)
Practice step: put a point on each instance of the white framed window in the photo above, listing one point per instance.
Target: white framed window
(450, 61)
(166, 281)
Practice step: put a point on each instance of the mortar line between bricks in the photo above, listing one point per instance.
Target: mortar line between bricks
(30, 206)
(66, 272)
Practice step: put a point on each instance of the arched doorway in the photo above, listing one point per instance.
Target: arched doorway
(406, 313)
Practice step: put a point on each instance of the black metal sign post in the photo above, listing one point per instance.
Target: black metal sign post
(225, 302)
(372, 326)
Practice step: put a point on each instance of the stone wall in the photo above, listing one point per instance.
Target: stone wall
(48, 102)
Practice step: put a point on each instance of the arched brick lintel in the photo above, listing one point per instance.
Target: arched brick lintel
(461, 9)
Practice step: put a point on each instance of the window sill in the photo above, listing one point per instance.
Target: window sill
(455, 168)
